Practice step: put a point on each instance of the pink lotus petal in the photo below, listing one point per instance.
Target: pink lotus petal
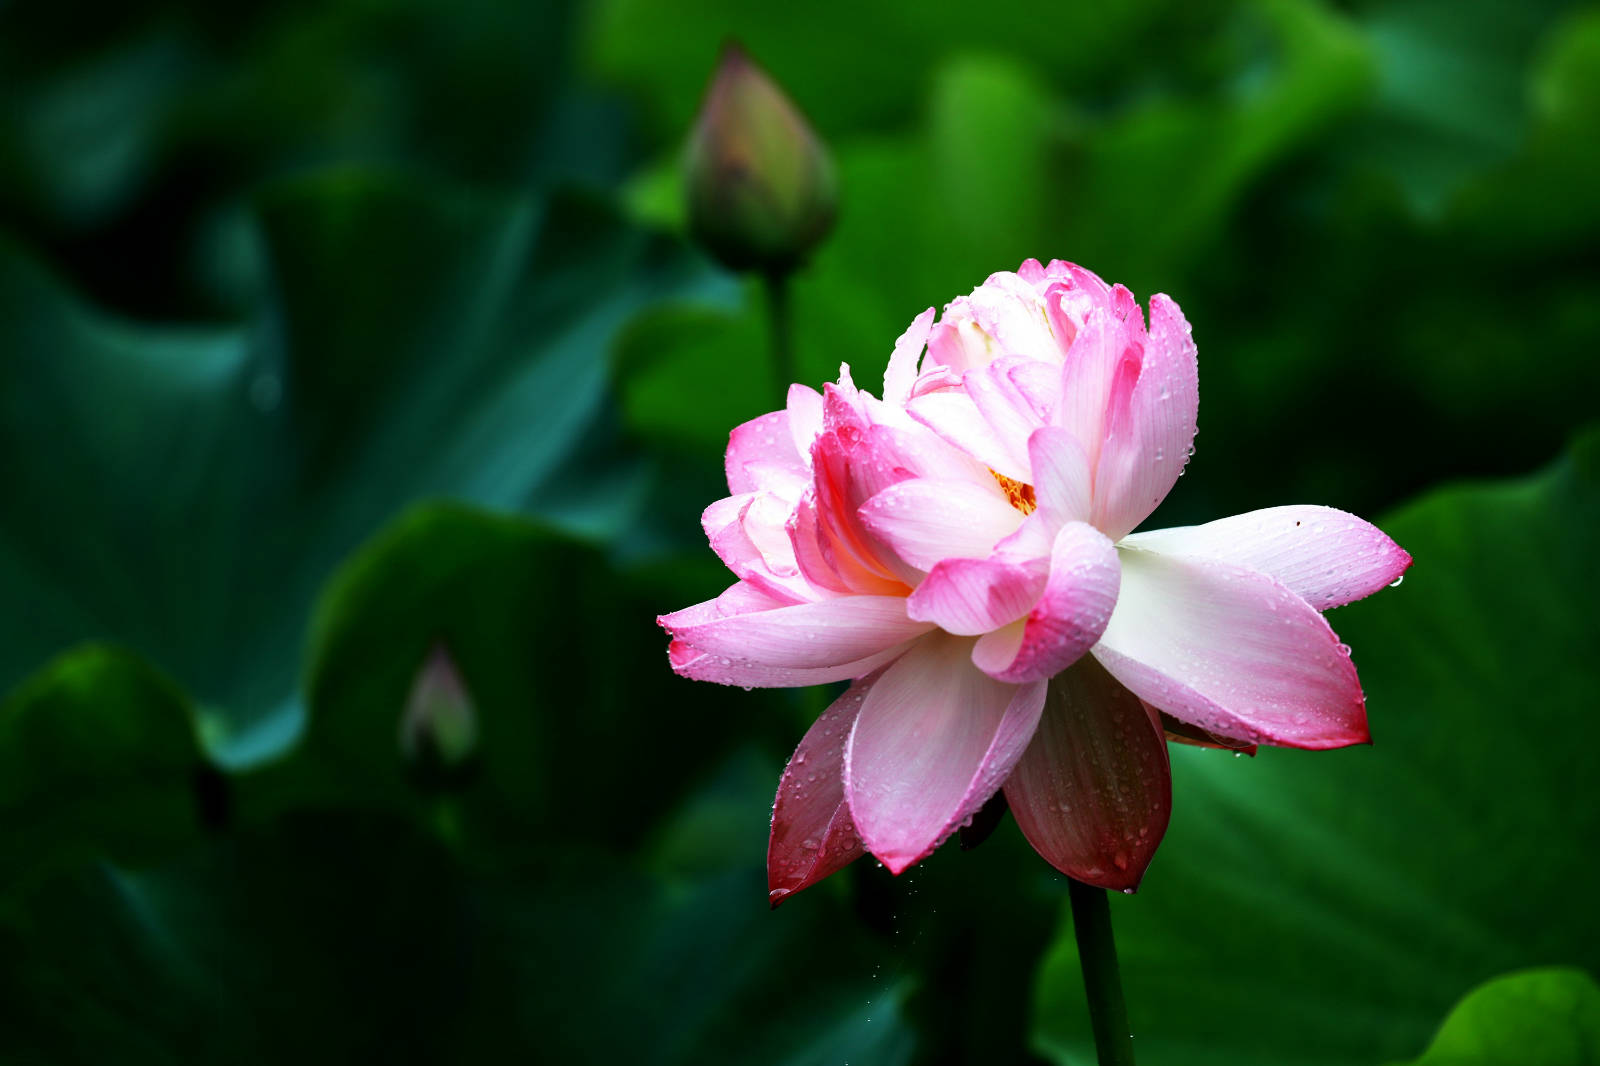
(785, 482)
(761, 440)
(1009, 309)
(1093, 791)
(924, 521)
(935, 738)
(1326, 557)
(902, 370)
(1233, 652)
(805, 418)
(1061, 479)
(1067, 619)
(747, 534)
(1092, 363)
(812, 831)
(973, 596)
(738, 598)
(1015, 399)
(1150, 423)
(696, 665)
(847, 470)
(805, 537)
(956, 418)
(807, 636)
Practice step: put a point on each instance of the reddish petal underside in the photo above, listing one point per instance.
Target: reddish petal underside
(812, 831)
(1093, 791)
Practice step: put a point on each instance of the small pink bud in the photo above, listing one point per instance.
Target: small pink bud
(439, 730)
(761, 187)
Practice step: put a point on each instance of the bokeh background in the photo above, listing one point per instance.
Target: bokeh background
(334, 332)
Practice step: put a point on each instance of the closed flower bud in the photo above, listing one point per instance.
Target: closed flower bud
(439, 730)
(761, 186)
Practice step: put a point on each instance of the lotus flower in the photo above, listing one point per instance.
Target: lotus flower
(963, 551)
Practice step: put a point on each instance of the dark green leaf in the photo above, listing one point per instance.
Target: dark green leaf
(98, 757)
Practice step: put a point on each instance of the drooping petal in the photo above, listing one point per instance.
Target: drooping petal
(935, 738)
(812, 832)
(1069, 616)
(1093, 791)
(901, 373)
(973, 596)
(827, 636)
(1325, 556)
(1232, 651)
(924, 521)
(1150, 424)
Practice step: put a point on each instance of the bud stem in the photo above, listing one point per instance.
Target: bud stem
(781, 323)
(1097, 953)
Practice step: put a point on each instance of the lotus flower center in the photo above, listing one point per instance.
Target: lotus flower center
(1019, 494)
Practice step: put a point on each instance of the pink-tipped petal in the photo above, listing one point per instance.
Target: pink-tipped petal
(1069, 616)
(812, 832)
(923, 521)
(1232, 651)
(902, 370)
(761, 440)
(1325, 556)
(935, 738)
(1150, 424)
(825, 636)
(973, 596)
(1093, 792)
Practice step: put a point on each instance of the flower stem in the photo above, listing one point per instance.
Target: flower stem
(782, 327)
(1097, 953)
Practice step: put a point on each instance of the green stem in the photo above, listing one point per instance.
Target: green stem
(1097, 953)
(782, 327)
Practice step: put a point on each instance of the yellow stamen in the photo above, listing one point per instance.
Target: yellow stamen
(1018, 494)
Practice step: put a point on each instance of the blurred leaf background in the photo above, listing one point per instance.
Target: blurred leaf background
(332, 332)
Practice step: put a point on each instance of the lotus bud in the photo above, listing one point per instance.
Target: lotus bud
(439, 730)
(761, 186)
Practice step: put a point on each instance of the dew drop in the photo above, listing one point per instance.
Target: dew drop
(1396, 582)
